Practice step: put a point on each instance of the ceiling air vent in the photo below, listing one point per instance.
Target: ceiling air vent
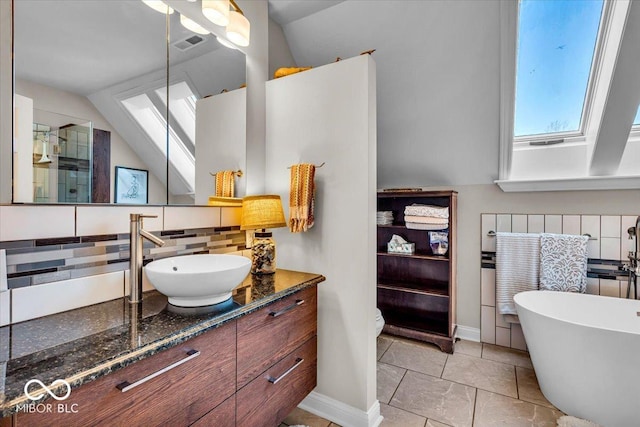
(188, 43)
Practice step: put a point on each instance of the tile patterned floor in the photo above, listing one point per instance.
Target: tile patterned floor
(481, 385)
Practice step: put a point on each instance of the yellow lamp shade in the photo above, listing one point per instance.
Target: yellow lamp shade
(192, 25)
(264, 211)
(158, 6)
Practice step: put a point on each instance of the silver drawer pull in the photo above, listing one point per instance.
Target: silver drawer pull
(272, 380)
(126, 385)
(284, 310)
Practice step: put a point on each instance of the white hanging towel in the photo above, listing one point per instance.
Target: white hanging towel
(517, 267)
(563, 262)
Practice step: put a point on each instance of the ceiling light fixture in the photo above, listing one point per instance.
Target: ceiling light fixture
(226, 43)
(238, 26)
(158, 6)
(216, 11)
(191, 25)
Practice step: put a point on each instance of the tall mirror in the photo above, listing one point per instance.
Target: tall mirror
(91, 93)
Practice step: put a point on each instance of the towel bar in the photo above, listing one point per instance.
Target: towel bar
(317, 166)
(492, 233)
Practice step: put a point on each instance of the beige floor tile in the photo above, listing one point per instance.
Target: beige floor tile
(383, 344)
(432, 423)
(496, 410)
(416, 357)
(388, 378)
(394, 417)
(301, 417)
(470, 348)
(506, 355)
(435, 399)
(481, 373)
(528, 388)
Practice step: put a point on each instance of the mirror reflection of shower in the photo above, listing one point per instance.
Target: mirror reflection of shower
(56, 161)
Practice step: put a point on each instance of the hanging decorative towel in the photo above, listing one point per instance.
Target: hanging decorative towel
(563, 262)
(301, 197)
(224, 183)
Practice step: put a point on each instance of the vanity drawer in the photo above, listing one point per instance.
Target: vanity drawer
(269, 398)
(269, 334)
(224, 415)
(178, 396)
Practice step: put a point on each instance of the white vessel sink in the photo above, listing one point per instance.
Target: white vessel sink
(198, 280)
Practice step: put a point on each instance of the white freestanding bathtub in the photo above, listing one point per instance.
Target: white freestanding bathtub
(586, 353)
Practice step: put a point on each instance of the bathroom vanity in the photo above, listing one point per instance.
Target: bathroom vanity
(249, 363)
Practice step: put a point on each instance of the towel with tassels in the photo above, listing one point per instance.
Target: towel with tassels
(301, 197)
(224, 183)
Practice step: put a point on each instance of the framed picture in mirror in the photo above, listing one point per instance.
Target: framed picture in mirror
(131, 186)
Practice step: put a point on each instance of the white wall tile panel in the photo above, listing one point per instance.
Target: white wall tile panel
(503, 337)
(591, 225)
(571, 224)
(36, 222)
(488, 324)
(610, 248)
(553, 224)
(609, 288)
(610, 226)
(184, 217)
(626, 244)
(488, 286)
(98, 220)
(5, 311)
(535, 224)
(517, 337)
(230, 217)
(519, 223)
(593, 286)
(488, 224)
(36, 301)
(500, 322)
(503, 223)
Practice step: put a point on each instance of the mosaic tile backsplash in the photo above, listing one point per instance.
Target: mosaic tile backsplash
(40, 261)
(607, 249)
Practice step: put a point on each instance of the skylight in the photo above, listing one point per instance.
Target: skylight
(556, 45)
(636, 121)
(182, 107)
(154, 125)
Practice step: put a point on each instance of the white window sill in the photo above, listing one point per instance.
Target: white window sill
(571, 184)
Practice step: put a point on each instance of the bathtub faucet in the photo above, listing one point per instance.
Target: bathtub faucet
(635, 255)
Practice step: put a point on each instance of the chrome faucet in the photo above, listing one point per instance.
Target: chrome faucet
(634, 262)
(135, 254)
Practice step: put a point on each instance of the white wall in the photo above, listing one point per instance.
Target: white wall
(62, 102)
(279, 52)
(329, 115)
(220, 141)
(23, 149)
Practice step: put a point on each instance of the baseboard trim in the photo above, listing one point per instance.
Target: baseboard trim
(341, 413)
(468, 333)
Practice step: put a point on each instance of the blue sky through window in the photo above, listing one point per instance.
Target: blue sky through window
(556, 42)
(636, 121)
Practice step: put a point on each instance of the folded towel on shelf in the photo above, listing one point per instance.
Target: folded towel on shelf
(425, 219)
(301, 197)
(427, 210)
(517, 267)
(224, 183)
(421, 226)
(563, 262)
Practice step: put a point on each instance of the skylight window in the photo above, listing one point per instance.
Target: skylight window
(154, 125)
(636, 121)
(182, 107)
(555, 52)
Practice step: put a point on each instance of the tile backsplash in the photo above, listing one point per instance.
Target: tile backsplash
(64, 257)
(607, 249)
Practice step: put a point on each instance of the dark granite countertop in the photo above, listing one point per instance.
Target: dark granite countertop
(84, 344)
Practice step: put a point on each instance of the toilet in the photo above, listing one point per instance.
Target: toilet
(379, 322)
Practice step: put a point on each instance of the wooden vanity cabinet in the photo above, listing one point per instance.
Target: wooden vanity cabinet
(177, 397)
(252, 371)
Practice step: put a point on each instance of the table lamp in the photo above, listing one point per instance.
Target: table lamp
(259, 213)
